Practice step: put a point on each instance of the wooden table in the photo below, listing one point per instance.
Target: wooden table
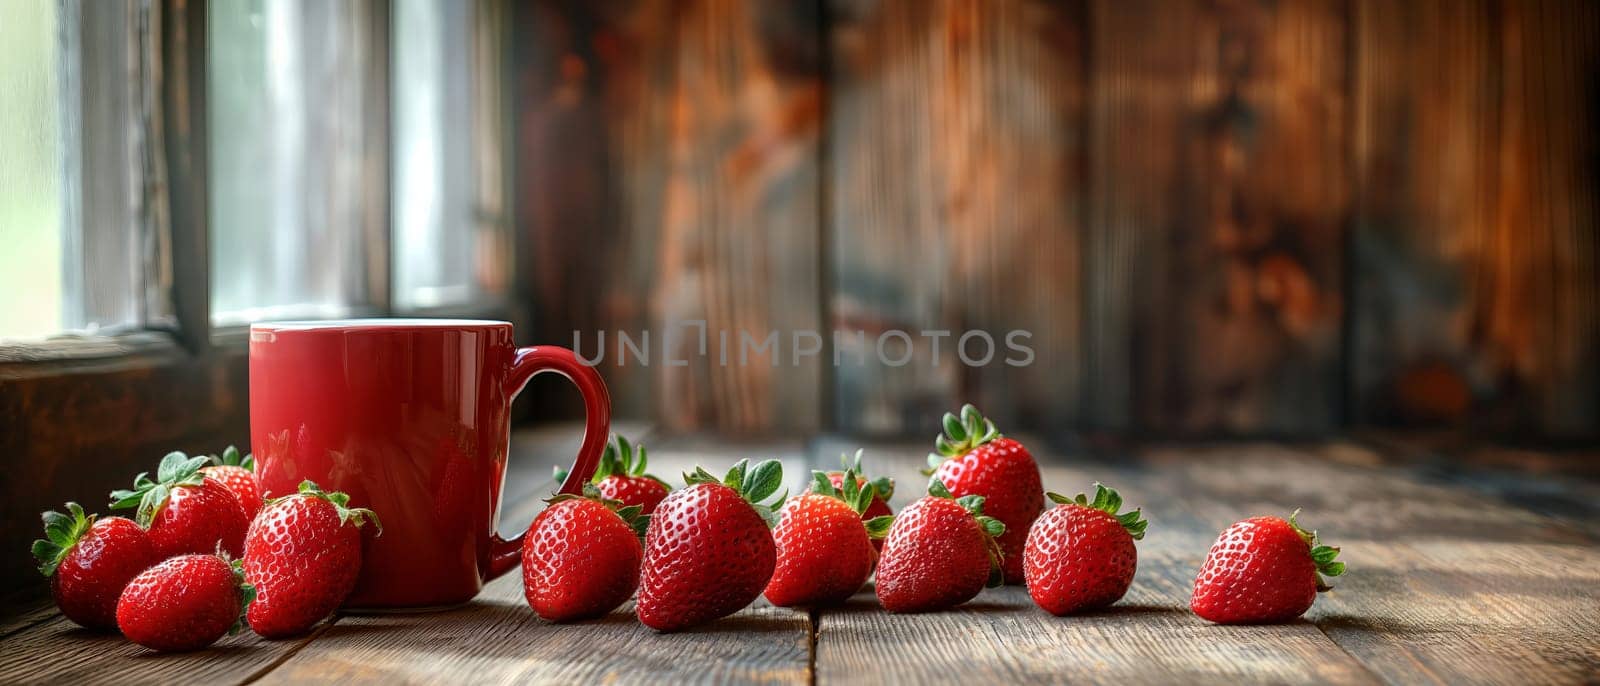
(1471, 565)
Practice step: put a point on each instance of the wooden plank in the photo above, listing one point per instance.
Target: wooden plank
(1445, 586)
(1217, 199)
(496, 638)
(955, 148)
(1543, 311)
(1475, 263)
(1149, 637)
(58, 651)
(34, 637)
(669, 175)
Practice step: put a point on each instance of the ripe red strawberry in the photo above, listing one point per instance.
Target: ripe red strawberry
(184, 511)
(1080, 555)
(302, 556)
(709, 551)
(238, 474)
(89, 561)
(940, 553)
(825, 550)
(1263, 570)
(581, 557)
(621, 476)
(972, 458)
(884, 486)
(185, 603)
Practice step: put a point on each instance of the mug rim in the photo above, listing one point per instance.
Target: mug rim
(374, 324)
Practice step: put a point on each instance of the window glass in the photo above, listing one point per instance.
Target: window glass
(449, 243)
(298, 155)
(73, 241)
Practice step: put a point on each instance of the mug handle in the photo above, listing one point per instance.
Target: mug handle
(506, 554)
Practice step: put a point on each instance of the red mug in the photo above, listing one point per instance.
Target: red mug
(411, 418)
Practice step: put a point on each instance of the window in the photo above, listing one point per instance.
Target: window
(451, 246)
(80, 255)
(297, 159)
(335, 192)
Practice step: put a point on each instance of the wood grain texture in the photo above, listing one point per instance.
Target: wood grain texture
(58, 651)
(1148, 637)
(1454, 578)
(497, 639)
(1446, 585)
(1217, 198)
(669, 175)
(955, 148)
(1474, 252)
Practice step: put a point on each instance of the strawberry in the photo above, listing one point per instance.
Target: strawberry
(708, 551)
(185, 511)
(185, 603)
(1263, 570)
(940, 553)
(621, 476)
(971, 458)
(302, 556)
(825, 550)
(884, 486)
(237, 474)
(1080, 555)
(581, 557)
(89, 561)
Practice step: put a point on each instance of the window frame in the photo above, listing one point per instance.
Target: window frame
(177, 326)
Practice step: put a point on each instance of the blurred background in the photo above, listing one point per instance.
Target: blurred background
(1215, 218)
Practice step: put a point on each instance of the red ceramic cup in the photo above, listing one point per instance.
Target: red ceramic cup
(411, 418)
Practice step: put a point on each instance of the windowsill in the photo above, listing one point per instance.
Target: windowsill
(77, 353)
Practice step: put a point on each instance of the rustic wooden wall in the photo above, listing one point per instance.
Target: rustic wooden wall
(1474, 252)
(1218, 202)
(667, 173)
(1214, 216)
(955, 185)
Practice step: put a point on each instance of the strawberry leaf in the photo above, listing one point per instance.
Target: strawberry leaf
(763, 481)
(961, 435)
(878, 527)
(937, 489)
(1109, 501)
(971, 503)
(247, 593)
(340, 500)
(61, 532)
(991, 526)
(230, 457)
(735, 477)
(821, 485)
(176, 469)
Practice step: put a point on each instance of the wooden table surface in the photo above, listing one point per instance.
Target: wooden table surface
(1469, 565)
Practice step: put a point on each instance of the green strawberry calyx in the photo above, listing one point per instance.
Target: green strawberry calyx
(992, 528)
(852, 463)
(150, 495)
(231, 457)
(341, 504)
(857, 496)
(754, 484)
(961, 435)
(1322, 555)
(1107, 500)
(247, 592)
(620, 458)
(61, 534)
(632, 515)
